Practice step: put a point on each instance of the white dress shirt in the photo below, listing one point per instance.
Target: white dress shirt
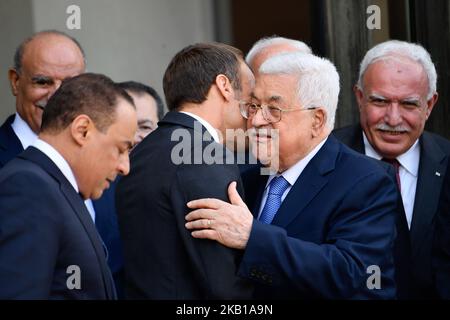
(23, 132)
(206, 124)
(408, 172)
(291, 175)
(64, 167)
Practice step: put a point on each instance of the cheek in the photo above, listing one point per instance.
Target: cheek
(372, 116)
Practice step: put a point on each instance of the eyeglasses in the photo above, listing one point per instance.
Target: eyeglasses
(271, 114)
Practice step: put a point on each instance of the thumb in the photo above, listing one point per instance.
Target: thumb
(234, 196)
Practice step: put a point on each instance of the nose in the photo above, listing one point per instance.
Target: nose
(258, 119)
(124, 165)
(393, 115)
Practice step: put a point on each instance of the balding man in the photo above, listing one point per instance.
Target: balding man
(41, 63)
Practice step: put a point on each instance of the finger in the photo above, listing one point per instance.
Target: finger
(234, 196)
(199, 224)
(200, 214)
(205, 234)
(205, 203)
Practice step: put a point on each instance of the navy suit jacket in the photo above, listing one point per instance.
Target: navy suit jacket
(162, 259)
(337, 220)
(441, 248)
(105, 213)
(434, 151)
(45, 229)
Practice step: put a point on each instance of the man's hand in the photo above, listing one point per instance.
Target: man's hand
(228, 224)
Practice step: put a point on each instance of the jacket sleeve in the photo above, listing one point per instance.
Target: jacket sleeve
(28, 238)
(215, 265)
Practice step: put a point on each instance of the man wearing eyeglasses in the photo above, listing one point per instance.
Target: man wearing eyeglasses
(396, 92)
(322, 224)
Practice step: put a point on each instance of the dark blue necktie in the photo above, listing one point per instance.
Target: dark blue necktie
(277, 187)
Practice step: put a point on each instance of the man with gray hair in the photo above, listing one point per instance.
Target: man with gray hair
(321, 225)
(268, 47)
(396, 92)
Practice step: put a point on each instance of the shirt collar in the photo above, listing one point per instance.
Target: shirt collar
(292, 174)
(408, 160)
(205, 123)
(58, 160)
(23, 131)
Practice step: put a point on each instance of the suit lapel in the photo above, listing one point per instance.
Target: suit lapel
(432, 168)
(9, 142)
(78, 206)
(308, 185)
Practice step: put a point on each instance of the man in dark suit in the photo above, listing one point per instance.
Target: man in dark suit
(49, 248)
(41, 63)
(181, 160)
(396, 93)
(323, 221)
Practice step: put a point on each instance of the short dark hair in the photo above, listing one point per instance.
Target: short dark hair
(194, 69)
(139, 89)
(94, 95)
(18, 55)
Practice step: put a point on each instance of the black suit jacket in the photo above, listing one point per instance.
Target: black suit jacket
(162, 259)
(335, 224)
(45, 229)
(105, 213)
(441, 249)
(434, 151)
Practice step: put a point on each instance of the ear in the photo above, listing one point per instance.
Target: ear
(81, 129)
(359, 96)
(431, 103)
(13, 77)
(224, 86)
(319, 120)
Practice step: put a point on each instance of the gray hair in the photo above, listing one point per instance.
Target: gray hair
(318, 80)
(18, 55)
(264, 43)
(394, 49)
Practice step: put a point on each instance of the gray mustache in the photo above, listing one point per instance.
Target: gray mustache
(386, 127)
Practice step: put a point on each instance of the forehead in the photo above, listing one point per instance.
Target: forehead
(269, 86)
(125, 123)
(247, 77)
(53, 55)
(396, 78)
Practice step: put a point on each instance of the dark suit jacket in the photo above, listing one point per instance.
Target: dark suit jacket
(337, 220)
(441, 256)
(432, 168)
(105, 214)
(45, 228)
(162, 259)
(10, 145)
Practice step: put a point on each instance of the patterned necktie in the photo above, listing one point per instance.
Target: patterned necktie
(394, 162)
(277, 187)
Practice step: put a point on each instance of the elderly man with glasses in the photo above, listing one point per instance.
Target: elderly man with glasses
(322, 224)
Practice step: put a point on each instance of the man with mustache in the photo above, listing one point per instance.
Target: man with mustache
(41, 63)
(324, 219)
(396, 92)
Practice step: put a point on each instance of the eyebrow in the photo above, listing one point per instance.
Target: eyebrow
(41, 78)
(407, 99)
(144, 121)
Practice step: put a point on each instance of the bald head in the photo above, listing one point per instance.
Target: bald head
(266, 48)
